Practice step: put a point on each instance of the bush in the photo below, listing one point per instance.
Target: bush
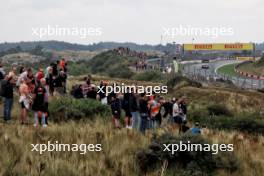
(120, 72)
(180, 80)
(149, 76)
(78, 68)
(249, 123)
(219, 109)
(65, 108)
(184, 162)
(111, 64)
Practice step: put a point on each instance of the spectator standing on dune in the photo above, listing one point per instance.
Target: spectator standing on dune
(154, 110)
(49, 80)
(2, 72)
(46, 99)
(116, 111)
(39, 75)
(125, 107)
(92, 93)
(176, 113)
(39, 104)
(102, 93)
(183, 107)
(8, 94)
(25, 76)
(133, 105)
(184, 128)
(62, 64)
(143, 110)
(24, 101)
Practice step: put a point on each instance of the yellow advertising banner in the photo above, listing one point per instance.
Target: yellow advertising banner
(218, 46)
(245, 58)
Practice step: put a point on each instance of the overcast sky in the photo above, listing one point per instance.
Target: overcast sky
(140, 21)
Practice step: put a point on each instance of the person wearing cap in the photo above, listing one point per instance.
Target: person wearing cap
(8, 94)
(196, 129)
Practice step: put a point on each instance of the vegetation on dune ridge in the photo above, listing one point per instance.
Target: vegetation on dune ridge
(188, 162)
(256, 68)
(120, 149)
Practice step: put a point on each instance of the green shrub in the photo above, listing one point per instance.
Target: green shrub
(78, 68)
(178, 80)
(120, 72)
(149, 76)
(219, 109)
(111, 64)
(184, 162)
(65, 108)
(249, 123)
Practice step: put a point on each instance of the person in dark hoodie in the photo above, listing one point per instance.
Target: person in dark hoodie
(144, 112)
(125, 107)
(8, 94)
(133, 105)
(116, 111)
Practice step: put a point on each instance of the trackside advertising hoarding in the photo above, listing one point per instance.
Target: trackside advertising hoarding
(218, 46)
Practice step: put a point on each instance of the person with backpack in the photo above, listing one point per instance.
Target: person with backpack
(7, 87)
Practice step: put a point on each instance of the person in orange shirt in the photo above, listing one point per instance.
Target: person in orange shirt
(63, 64)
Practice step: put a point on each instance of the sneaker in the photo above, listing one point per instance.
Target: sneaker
(44, 126)
(35, 125)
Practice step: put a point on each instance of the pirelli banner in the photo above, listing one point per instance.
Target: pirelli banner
(218, 46)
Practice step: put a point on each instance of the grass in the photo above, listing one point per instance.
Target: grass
(228, 70)
(117, 157)
(252, 68)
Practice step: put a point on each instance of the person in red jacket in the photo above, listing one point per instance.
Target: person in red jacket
(63, 64)
(39, 74)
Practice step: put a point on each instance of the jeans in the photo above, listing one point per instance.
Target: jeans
(43, 120)
(153, 124)
(136, 120)
(144, 123)
(8, 103)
